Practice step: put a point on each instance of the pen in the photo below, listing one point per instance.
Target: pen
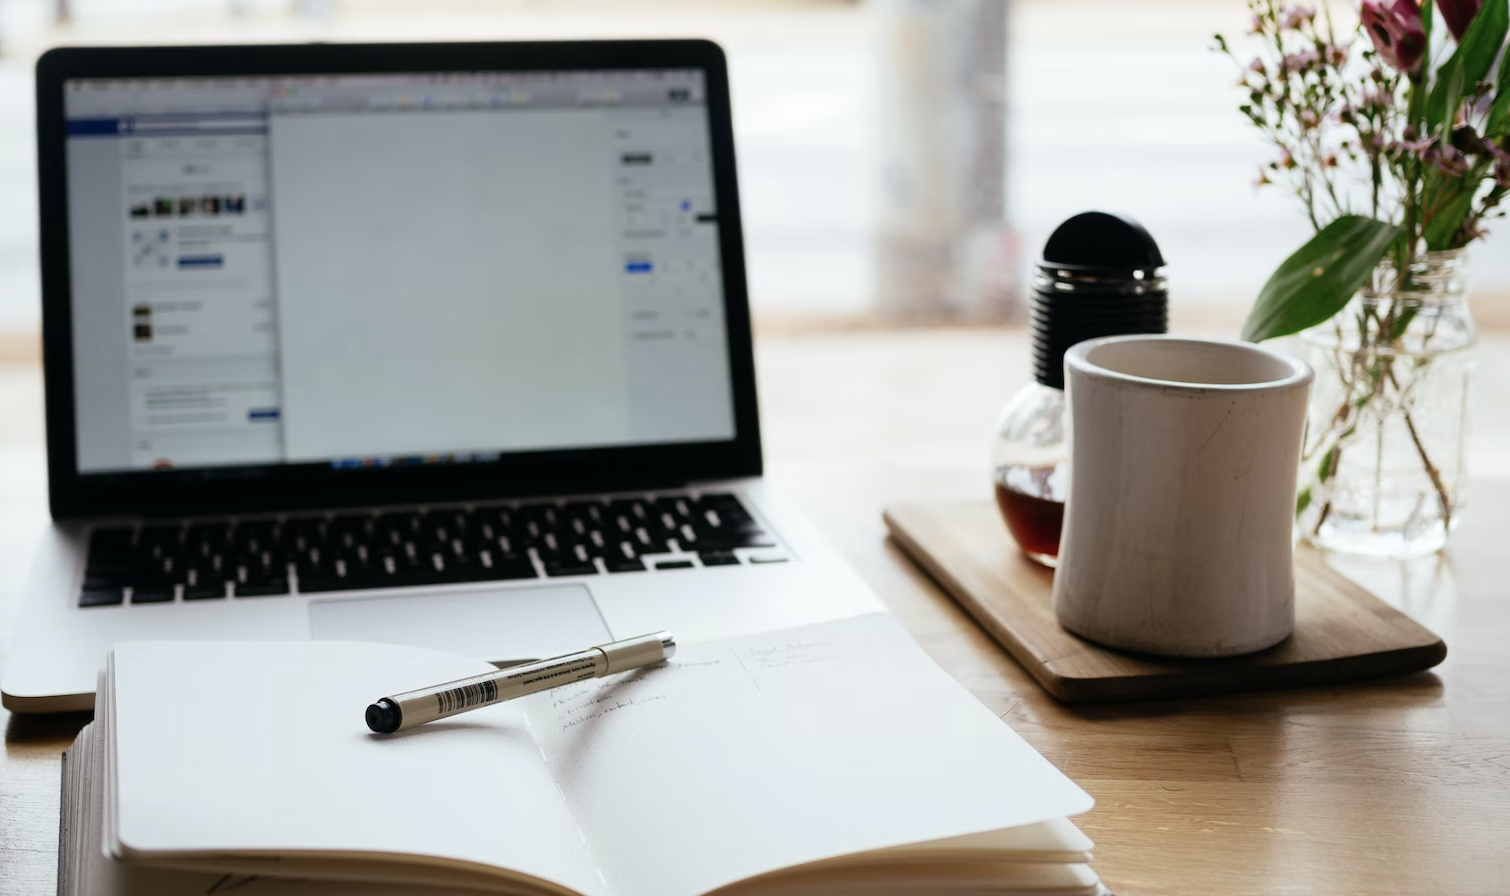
(417, 707)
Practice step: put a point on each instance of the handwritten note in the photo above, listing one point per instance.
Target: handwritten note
(594, 700)
(795, 742)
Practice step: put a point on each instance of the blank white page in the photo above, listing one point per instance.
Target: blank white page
(447, 281)
(247, 746)
(746, 756)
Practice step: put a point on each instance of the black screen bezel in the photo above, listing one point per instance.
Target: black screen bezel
(311, 486)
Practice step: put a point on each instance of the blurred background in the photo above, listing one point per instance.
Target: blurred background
(901, 161)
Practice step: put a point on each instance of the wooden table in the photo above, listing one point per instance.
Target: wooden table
(1398, 786)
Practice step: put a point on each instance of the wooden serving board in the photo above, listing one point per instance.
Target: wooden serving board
(1342, 631)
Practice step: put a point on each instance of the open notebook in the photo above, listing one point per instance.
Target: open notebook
(829, 759)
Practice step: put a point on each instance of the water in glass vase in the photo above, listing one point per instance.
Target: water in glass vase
(1382, 468)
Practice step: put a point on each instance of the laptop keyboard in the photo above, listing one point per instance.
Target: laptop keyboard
(268, 557)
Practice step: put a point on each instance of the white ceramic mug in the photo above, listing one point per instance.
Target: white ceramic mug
(1178, 528)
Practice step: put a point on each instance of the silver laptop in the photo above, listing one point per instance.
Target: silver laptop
(445, 345)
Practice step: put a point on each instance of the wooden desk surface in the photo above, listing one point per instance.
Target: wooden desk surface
(1392, 787)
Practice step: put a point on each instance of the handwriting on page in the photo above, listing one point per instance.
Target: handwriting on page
(725, 669)
(791, 654)
(593, 700)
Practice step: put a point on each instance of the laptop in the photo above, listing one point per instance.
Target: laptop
(444, 344)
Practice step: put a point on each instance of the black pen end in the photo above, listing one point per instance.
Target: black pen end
(384, 716)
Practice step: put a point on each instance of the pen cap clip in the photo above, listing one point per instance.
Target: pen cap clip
(646, 650)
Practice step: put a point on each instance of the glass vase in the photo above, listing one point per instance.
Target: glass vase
(1382, 466)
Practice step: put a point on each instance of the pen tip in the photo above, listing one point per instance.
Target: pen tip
(384, 716)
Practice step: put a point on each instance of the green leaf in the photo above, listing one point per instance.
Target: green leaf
(1473, 57)
(1446, 223)
(1416, 111)
(1318, 280)
(1446, 97)
(1328, 463)
(1498, 122)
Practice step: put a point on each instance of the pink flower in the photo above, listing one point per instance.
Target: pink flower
(1395, 28)
(1296, 16)
(1297, 62)
(1459, 15)
(1450, 162)
(1501, 162)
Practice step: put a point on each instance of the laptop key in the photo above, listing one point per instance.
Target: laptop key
(205, 591)
(718, 558)
(316, 584)
(109, 566)
(674, 564)
(570, 566)
(101, 597)
(266, 588)
(725, 541)
(151, 594)
(623, 564)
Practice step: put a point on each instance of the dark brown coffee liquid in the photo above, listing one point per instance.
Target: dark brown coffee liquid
(1031, 500)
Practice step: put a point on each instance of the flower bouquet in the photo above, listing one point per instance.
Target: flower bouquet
(1399, 162)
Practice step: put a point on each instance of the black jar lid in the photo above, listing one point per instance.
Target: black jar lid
(1099, 277)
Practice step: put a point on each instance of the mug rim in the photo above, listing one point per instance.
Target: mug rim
(1077, 359)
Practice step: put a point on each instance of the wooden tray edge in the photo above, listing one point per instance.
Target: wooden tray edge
(1085, 690)
(1046, 678)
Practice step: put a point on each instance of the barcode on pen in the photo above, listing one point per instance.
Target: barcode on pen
(470, 695)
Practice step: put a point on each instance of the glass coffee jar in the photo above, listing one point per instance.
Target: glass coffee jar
(1101, 275)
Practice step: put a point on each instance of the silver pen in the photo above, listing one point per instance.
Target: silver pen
(417, 707)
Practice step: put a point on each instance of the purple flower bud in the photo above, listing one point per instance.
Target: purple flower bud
(1396, 30)
(1451, 162)
(1298, 62)
(1296, 16)
(1468, 140)
(1459, 15)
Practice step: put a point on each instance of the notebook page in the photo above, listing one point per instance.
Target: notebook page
(85, 870)
(249, 746)
(746, 756)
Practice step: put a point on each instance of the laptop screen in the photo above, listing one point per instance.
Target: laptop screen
(398, 269)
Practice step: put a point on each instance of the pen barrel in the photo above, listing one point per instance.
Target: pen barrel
(632, 653)
(413, 708)
(443, 701)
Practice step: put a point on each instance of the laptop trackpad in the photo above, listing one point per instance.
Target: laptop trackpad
(498, 626)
